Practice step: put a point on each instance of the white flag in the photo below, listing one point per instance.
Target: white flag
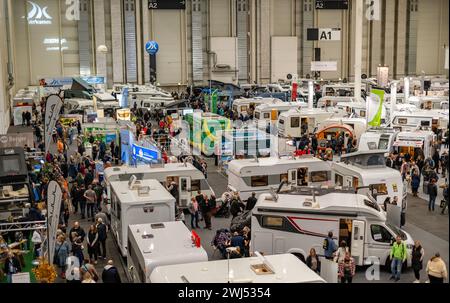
(54, 195)
(52, 108)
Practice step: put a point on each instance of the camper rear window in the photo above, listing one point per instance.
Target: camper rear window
(319, 176)
(402, 120)
(270, 222)
(281, 121)
(257, 115)
(266, 115)
(295, 121)
(257, 181)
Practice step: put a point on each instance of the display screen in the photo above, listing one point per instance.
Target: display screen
(10, 165)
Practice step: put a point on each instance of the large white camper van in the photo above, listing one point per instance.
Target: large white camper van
(260, 175)
(283, 268)
(186, 175)
(160, 244)
(265, 113)
(242, 105)
(419, 141)
(138, 202)
(368, 168)
(298, 220)
(295, 123)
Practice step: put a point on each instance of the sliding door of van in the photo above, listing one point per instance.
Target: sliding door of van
(185, 191)
(357, 242)
(292, 176)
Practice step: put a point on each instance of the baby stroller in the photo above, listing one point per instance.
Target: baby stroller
(224, 209)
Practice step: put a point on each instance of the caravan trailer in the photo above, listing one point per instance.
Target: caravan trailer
(186, 175)
(359, 125)
(265, 113)
(282, 268)
(298, 220)
(411, 120)
(368, 168)
(160, 244)
(378, 138)
(295, 123)
(260, 175)
(138, 202)
(419, 141)
(242, 105)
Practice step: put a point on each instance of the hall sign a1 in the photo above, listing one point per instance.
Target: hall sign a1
(323, 34)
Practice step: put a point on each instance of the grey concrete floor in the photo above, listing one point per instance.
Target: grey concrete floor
(431, 228)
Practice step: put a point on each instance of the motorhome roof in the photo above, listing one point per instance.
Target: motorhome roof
(169, 167)
(278, 105)
(304, 111)
(157, 194)
(415, 134)
(164, 240)
(338, 202)
(288, 269)
(236, 166)
(372, 173)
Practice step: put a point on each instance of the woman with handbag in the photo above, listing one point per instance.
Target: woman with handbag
(62, 250)
(417, 259)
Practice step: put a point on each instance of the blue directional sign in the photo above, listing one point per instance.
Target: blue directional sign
(152, 47)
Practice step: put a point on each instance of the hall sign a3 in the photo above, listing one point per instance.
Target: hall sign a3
(323, 34)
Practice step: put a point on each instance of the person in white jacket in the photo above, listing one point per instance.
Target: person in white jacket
(36, 239)
(341, 251)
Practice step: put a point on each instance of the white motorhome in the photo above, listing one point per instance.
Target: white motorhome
(290, 122)
(331, 101)
(411, 120)
(265, 113)
(282, 268)
(340, 90)
(260, 175)
(160, 244)
(298, 220)
(429, 102)
(368, 168)
(359, 125)
(242, 105)
(138, 202)
(415, 142)
(188, 178)
(378, 138)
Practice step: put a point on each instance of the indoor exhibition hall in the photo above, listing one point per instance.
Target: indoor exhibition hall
(208, 142)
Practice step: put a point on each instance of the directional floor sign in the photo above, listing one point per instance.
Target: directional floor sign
(152, 47)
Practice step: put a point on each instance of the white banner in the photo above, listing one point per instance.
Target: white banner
(52, 109)
(446, 58)
(383, 76)
(54, 195)
(323, 66)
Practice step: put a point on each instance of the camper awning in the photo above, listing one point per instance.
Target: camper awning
(408, 143)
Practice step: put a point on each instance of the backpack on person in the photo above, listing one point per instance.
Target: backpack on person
(325, 244)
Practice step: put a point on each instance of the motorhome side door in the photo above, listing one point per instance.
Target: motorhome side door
(263, 242)
(185, 191)
(292, 176)
(357, 242)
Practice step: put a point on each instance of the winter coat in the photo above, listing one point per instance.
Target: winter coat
(62, 251)
(110, 274)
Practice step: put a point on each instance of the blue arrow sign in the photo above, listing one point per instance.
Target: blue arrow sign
(152, 47)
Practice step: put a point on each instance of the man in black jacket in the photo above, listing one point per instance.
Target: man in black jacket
(12, 266)
(102, 235)
(110, 273)
(251, 202)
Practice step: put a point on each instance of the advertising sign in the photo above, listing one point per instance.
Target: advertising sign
(145, 153)
(18, 113)
(52, 109)
(54, 209)
(375, 107)
(16, 140)
(151, 47)
(324, 66)
(383, 76)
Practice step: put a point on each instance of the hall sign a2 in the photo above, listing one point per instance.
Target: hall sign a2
(323, 34)
(166, 4)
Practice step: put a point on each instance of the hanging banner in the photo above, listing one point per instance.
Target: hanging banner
(446, 58)
(383, 76)
(323, 66)
(54, 195)
(375, 107)
(52, 109)
(145, 153)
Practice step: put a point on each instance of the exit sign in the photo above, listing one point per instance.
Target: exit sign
(331, 4)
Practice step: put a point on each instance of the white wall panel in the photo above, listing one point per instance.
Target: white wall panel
(282, 17)
(226, 53)
(166, 31)
(283, 57)
(220, 18)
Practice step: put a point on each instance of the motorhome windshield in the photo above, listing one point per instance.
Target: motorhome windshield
(397, 231)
